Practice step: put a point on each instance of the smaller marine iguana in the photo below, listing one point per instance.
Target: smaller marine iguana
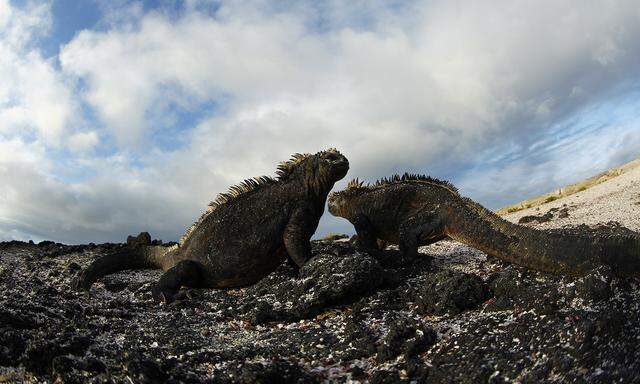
(244, 235)
(415, 210)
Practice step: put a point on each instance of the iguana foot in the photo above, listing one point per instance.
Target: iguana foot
(169, 296)
(187, 273)
(82, 282)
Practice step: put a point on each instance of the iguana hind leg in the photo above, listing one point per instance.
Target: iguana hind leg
(366, 232)
(419, 226)
(187, 273)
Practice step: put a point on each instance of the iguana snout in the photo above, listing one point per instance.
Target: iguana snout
(336, 204)
(336, 163)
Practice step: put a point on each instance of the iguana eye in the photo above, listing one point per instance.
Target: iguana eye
(333, 157)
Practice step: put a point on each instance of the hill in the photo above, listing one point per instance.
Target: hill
(573, 189)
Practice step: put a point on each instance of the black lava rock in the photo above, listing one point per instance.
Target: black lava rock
(407, 337)
(145, 371)
(450, 292)
(144, 238)
(596, 285)
(347, 314)
(275, 372)
(329, 280)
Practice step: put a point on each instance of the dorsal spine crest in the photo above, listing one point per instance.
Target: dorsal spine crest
(284, 171)
(356, 184)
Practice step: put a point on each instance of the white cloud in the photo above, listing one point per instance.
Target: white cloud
(451, 71)
(34, 95)
(83, 141)
(18, 26)
(36, 205)
(5, 13)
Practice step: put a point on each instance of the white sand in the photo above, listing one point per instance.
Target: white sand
(617, 199)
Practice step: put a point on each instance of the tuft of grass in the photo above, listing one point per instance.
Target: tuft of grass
(331, 236)
(550, 199)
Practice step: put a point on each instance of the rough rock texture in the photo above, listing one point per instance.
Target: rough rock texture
(452, 315)
(450, 292)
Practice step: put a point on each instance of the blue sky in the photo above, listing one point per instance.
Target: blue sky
(124, 116)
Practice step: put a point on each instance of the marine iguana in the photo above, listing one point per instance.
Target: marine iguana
(245, 233)
(414, 210)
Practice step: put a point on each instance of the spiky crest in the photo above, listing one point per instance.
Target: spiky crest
(356, 185)
(408, 177)
(284, 171)
(239, 189)
(234, 191)
(286, 168)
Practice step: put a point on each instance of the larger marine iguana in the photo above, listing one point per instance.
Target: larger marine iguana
(413, 210)
(245, 233)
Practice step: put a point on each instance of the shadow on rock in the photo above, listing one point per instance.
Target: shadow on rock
(326, 280)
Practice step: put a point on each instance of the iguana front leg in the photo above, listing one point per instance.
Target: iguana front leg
(366, 232)
(186, 273)
(422, 224)
(297, 234)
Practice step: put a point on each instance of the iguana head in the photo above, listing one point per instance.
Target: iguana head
(319, 171)
(333, 164)
(339, 202)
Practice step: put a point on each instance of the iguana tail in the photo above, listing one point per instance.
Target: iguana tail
(562, 251)
(622, 253)
(137, 254)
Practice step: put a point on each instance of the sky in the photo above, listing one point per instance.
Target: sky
(118, 117)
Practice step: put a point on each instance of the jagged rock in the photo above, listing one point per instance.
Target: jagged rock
(328, 280)
(276, 372)
(405, 337)
(596, 285)
(450, 292)
(145, 371)
(536, 218)
(144, 238)
(345, 315)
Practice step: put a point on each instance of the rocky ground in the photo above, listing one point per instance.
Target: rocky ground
(453, 315)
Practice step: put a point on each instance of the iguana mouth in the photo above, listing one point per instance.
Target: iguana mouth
(331, 205)
(334, 205)
(341, 167)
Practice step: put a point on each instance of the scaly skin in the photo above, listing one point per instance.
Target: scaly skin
(413, 210)
(245, 234)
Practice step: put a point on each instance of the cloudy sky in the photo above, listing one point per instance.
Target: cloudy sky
(123, 116)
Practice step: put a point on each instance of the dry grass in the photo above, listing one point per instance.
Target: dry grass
(571, 189)
(333, 236)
